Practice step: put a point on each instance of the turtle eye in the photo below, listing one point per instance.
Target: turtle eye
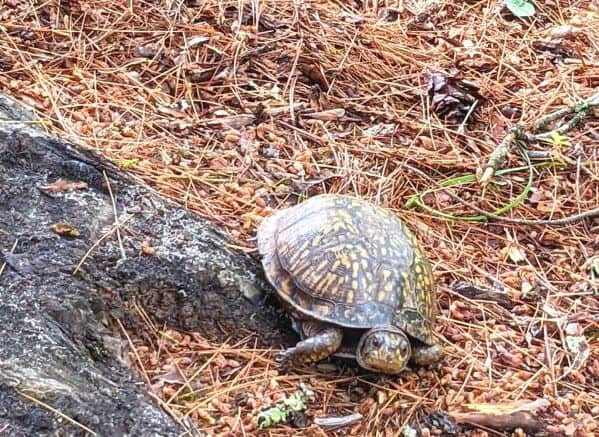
(404, 348)
(376, 342)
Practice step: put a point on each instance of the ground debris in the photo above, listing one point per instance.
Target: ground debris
(452, 97)
(208, 102)
(505, 416)
(291, 409)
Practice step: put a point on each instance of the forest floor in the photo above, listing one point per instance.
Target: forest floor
(237, 108)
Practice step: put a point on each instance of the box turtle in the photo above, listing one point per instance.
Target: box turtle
(353, 278)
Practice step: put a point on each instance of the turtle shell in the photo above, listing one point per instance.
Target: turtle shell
(344, 261)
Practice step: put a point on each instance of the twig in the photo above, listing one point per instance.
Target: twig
(462, 127)
(98, 241)
(580, 110)
(587, 104)
(116, 217)
(497, 157)
(337, 421)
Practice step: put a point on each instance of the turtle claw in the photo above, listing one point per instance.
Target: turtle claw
(283, 360)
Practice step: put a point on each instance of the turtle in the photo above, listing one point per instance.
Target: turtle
(353, 277)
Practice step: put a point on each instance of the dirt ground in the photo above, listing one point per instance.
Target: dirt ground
(237, 108)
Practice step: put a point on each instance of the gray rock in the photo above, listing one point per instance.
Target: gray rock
(61, 356)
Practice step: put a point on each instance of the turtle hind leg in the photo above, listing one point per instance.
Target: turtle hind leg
(320, 341)
(425, 355)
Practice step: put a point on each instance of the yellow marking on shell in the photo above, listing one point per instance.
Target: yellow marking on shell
(355, 270)
(323, 310)
(381, 296)
(345, 261)
(337, 226)
(322, 265)
(327, 281)
(354, 284)
(364, 263)
(335, 265)
(349, 298)
(302, 264)
(316, 241)
(369, 276)
(353, 256)
(301, 251)
(384, 251)
(418, 269)
(388, 287)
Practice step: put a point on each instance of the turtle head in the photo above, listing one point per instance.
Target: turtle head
(384, 350)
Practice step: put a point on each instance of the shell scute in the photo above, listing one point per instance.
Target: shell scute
(345, 261)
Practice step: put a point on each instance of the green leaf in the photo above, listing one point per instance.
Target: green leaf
(283, 411)
(128, 163)
(556, 139)
(271, 416)
(520, 8)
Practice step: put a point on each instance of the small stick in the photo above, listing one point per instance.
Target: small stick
(580, 110)
(497, 157)
(589, 103)
(462, 127)
(337, 421)
(116, 217)
(97, 242)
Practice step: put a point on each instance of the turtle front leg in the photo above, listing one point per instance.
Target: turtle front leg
(321, 340)
(427, 355)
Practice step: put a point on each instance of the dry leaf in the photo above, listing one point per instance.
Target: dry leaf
(147, 249)
(61, 185)
(566, 31)
(65, 230)
(452, 97)
(512, 250)
(315, 74)
(234, 121)
(328, 115)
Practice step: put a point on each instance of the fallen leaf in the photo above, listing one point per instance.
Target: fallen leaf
(147, 249)
(452, 97)
(61, 185)
(512, 250)
(65, 230)
(566, 31)
(328, 115)
(315, 73)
